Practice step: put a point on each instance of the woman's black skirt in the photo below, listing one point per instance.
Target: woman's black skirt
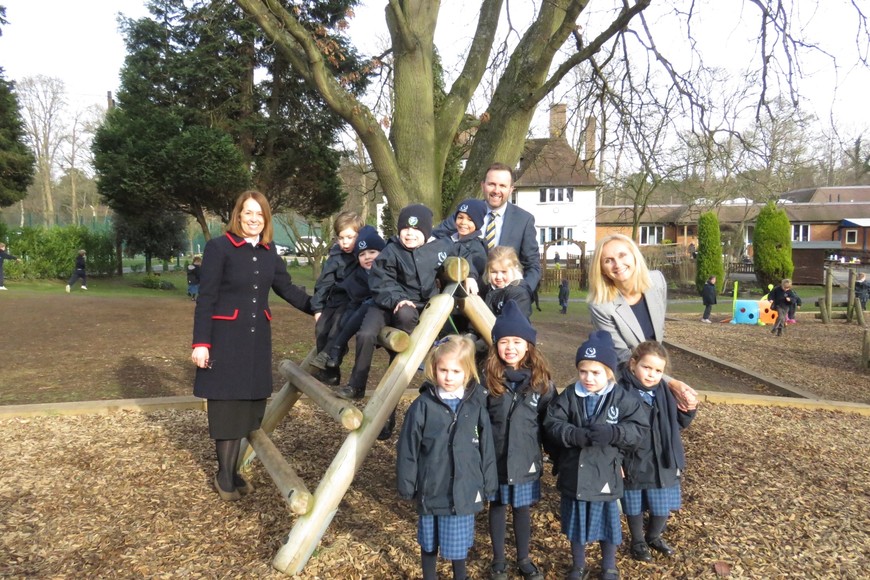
(234, 419)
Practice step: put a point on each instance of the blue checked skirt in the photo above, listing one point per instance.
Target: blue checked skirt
(453, 535)
(590, 521)
(519, 495)
(658, 501)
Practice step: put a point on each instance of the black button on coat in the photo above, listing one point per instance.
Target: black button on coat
(232, 317)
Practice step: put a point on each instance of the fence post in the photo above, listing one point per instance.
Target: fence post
(865, 351)
(829, 293)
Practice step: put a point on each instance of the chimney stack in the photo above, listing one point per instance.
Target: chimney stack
(558, 120)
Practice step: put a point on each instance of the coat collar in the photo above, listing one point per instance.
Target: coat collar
(239, 242)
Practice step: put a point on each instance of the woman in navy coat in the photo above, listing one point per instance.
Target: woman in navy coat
(232, 336)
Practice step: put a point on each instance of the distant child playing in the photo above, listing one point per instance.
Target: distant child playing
(3, 257)
(193, 272)
(79, 273)
(708, 297)
(329, 299)
(781, 298)
(653, 470)
(520, 389)
(505, 277)
(593, 423)
(445, 459)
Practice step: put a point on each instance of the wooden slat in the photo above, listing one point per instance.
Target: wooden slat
(291, 486)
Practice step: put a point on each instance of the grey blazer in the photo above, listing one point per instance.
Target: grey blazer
(617, 318)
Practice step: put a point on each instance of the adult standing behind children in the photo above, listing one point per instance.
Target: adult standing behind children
(708, 297)
(232, 335)
(3, 257)
(507, 224)
(79, 272)
(629, 301)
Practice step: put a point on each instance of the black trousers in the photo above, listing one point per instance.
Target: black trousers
(366, 339)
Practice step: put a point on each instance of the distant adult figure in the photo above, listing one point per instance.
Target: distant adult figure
(708, 297)
(79, 272)
(556, 258)
(3, 257)
(862, 288)
(232, 335)
(564, 293)
(629, 301)
(506, 224)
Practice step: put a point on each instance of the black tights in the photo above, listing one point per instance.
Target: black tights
(227, 456)
(498, 528)
(430, 571)
(654, 529)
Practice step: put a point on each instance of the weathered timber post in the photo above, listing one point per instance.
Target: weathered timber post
(309, 529)
(829, 293)
(339, 409)
(292, 488)
(865, 351)
(852, 302)
(823, 310)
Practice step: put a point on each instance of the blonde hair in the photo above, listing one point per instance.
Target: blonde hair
(506, 256)
(786, 283)
(235, 224)
(601, 287)
(457, 346)
(347, 219)
(540, 380)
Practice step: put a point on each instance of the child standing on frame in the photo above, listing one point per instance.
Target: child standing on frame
(445, 459)
(520, 389)
(505, 276)
(593, 423)
(653, 470)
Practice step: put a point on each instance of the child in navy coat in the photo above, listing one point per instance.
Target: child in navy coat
(593, 423)
(504, 276)
(445, 460)
(520, 389)
(654, 468)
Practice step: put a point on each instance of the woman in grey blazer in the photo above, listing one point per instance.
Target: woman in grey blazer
(629, 301)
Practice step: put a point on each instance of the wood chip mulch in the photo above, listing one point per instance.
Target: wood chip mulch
(769, 493)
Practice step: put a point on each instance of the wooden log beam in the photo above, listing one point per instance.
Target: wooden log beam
(292, 488)
(455, 269)
(345, 412)
(480, 316)
(865, 350)
(394, 339)
(276, 410)
(309, 529)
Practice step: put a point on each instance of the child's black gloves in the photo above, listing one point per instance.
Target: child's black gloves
(580, 436)
(603, 434)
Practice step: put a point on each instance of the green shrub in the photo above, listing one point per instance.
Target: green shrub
(155, 282)
(51, 253)
(709, 260)
(771, 246)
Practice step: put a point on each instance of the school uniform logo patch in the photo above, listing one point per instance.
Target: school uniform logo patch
(362, 245)
(591, 352)
(463, 208)
(441, 257)
(535, 400)
(413, 221)
(612, 414)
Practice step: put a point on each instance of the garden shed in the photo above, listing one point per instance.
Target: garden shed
(809, 261)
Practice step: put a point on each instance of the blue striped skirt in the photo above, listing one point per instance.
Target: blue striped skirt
(590, 521)
(660, 501)
(452, 535)
(519, 495)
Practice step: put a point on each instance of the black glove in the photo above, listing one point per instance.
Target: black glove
(603, 434)
(579, 436)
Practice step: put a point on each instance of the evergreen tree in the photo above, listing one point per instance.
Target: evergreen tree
(709, 260)
(16, 160)
(771, 245)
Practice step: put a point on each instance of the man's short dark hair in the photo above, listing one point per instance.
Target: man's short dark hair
(498, 166)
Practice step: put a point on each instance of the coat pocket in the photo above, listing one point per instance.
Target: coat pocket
(268, 314)
(232, 316)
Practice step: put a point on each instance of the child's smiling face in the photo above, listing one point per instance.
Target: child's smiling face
(411, 238)
(367, 258)
(464, 224)
(512, 350)
(500, 274)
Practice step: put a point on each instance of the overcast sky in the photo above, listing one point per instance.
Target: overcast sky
(80, 44)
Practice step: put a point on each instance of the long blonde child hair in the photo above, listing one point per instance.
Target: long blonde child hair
(507, 257)
(460, 347)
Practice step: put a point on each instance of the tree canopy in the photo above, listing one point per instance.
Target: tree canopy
(16, 160)
(771, 245)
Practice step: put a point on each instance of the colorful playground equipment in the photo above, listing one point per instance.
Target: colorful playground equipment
(752, 311)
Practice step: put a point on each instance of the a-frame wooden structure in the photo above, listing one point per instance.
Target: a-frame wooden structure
(317, 510)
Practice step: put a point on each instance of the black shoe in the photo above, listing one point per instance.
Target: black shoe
(640, 552)
(333, 358)
(330, 377)
(576, 574)
(351, 393)
(528, 570)
(610, 574)
(387, 430)
(660, 545)
(319, 361)
(498, 571)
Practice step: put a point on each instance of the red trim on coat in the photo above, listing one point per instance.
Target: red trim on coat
(233, 317)
(268, 314)
(233, 241)
(201, 344)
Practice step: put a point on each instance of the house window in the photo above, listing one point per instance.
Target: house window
(800, 232)
(542, 236)
(556, 194)
(851, 237)
(514, 196)
(651, 235)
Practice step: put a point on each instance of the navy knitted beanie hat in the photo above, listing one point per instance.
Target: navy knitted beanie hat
(599, 347)
(416, 216)
(368, 239)
(475, 209)
(512, 322)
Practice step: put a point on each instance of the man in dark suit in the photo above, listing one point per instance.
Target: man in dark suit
(512, 225)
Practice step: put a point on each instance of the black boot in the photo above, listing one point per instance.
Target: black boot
(333, 358)
(387, 431)
(351, 393)
(331, 377)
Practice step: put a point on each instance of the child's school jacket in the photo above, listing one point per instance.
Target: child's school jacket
(328, 292)
(446, 460)
(593, 473)
(401, 274)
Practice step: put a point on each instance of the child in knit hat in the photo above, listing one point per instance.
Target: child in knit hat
(593, 423)
(517, 378)
(469, 218)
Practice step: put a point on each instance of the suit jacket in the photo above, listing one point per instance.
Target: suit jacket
(517, 231)
(618, 319)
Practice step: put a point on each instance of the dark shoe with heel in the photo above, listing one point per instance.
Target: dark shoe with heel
(387, 430)
(528, 570)
(576, 574)
(610, 574)
(331, 377)
(659, 545)
(640, 552)
(350, 393)
(233, 495)
(243, 486)
(498, 571)
(319, 361)
(333, 358)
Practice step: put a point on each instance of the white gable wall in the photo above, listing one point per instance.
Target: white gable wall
(576, 218)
